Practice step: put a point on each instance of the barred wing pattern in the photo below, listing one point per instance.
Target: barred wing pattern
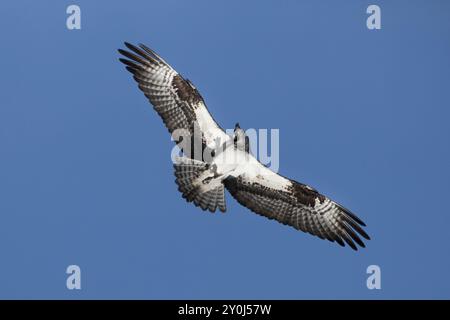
(297, 205)
(175, 99)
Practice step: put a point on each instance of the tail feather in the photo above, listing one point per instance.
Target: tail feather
(187, 173)
(211, 200)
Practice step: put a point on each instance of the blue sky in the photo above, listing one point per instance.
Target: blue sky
(85, 170)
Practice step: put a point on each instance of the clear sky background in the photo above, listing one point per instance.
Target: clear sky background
(85, 170)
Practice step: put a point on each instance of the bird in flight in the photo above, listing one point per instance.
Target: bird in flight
(203, 180)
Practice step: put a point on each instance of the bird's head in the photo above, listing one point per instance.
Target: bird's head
(240, 138)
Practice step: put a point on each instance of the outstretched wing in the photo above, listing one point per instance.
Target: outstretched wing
(296, 205)
(176, 100)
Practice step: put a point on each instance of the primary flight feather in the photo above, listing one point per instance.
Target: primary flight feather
(202, 181)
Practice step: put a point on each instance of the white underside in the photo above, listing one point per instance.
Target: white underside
(234, 162)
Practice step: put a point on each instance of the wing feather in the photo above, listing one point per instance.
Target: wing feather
(297, 205)
(175, 99)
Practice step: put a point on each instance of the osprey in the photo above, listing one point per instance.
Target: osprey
(202, 181)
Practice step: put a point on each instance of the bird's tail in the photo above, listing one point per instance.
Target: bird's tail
(193, 178)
